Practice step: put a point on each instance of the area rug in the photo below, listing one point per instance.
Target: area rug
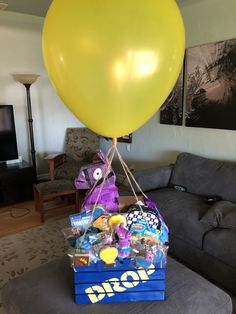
(29, 249)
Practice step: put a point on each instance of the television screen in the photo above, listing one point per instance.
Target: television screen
(8, 145)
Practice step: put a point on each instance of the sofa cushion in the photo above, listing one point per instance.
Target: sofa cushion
(204, 176)
(155, 178)
(222, 214)
(220, 243)
(182, 213)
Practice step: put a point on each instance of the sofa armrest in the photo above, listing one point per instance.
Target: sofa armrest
(151, 179)
(54, 160)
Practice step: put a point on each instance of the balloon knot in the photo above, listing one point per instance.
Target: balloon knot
(114, 140)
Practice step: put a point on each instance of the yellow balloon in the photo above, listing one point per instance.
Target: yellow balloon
(113, 62)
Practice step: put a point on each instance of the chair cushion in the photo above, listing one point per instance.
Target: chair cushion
(182, 213)
(220, 243)
(55, 186)
(222, 214)
(69, 170)
(204, 176)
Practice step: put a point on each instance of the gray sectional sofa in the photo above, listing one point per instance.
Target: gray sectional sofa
(197, 198)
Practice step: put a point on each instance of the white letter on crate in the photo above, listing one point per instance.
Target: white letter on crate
(106, 285)
(151, 269)
(143, 275)
(115, 282)
(92, 296)
(128, 284)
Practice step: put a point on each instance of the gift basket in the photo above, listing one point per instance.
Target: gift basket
(117, 255)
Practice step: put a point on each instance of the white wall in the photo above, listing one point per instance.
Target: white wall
(20, 36)
(20, 52)
(205, 21)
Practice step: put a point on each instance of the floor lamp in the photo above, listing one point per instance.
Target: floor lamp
(27, 80)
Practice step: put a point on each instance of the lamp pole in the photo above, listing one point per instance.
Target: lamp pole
(31, 130)
(27, 80)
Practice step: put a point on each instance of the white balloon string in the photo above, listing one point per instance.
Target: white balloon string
(129, 181)
(134, 180)
(127, 176)
(130, 174)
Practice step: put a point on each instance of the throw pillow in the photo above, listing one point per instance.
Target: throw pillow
(222, 215)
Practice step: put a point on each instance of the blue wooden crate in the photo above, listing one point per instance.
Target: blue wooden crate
(98, 283)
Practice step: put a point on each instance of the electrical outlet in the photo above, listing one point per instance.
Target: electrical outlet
(128, 147)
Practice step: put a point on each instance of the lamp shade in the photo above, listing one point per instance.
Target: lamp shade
(26, 78)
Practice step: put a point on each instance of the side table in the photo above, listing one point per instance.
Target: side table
(16, 183)
(50, 190)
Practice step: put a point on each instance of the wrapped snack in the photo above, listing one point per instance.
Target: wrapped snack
(108, 255)
(80, 259)
(124, 236)
(102, 223)
(115, 220)
(71, 235)
(80, 220)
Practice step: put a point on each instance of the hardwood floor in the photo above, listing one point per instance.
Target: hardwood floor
(22, 216)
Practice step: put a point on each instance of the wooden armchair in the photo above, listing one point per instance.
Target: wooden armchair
(80, 146)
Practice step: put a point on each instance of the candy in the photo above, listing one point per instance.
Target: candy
(141, 261)
(108, 255)
(81, 259)
(116, 220)
(102, 223)
(98, 211)
(147, 222)
(124, 236)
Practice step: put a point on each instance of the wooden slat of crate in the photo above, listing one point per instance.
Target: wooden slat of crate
(95, 277)
(126, 265)
(150, 286)
(122, 297)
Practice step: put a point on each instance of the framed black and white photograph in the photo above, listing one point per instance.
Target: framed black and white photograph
(123, 139)
(211, 86)
(171, 112)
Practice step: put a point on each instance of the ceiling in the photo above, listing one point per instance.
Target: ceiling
(33, 7)
(40, 7)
